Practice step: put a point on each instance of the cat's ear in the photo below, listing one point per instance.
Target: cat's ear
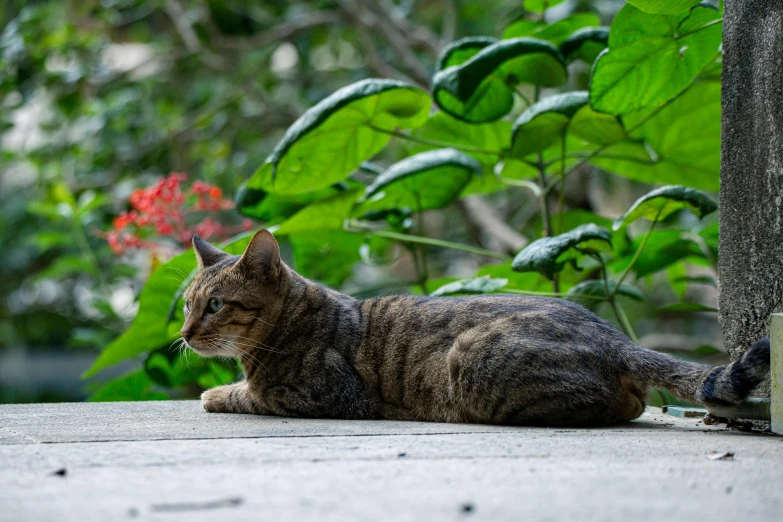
(262, 256)
(206, 254)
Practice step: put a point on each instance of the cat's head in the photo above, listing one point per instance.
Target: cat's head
(234, 301)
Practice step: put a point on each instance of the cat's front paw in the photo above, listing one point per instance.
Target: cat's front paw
(215, 400)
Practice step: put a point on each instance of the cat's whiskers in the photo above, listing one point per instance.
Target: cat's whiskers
(265, 322)
(235, 350)
(180, 272)
(253, 344)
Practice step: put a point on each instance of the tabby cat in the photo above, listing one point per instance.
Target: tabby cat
(309, 351)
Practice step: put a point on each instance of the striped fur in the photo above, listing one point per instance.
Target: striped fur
(308, 351)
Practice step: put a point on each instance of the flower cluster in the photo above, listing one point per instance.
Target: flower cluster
(166, 211)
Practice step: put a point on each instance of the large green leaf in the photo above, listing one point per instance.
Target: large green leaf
(327, 214)
(665, 200)
(548, 255)
(557, 32)
(544, 124)
(664, 248)
(327, 256)
(482, 88)
(330, 140)
(585, 44)
(462, 50)
(494, 137)
(273, 208)
(663, 6)
(427, 180)
(582, 292)
(652, 58)
(682, 142)
(476, 285)
(150, 328)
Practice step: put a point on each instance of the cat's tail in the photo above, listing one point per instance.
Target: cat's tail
(726, 384)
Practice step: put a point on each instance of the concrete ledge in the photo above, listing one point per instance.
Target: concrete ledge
(171, 460)
(776, 372)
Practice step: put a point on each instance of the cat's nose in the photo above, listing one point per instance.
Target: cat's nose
(187, 334)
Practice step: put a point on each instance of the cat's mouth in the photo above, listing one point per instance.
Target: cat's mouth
(205, 351)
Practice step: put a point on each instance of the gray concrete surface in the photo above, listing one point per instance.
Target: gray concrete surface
(172, 461)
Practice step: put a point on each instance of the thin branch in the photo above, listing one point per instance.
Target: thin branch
(283, 31)
(398, 41)
(483, 216)
(449, 29)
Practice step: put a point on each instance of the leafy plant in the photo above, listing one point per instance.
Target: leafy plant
(353, 177)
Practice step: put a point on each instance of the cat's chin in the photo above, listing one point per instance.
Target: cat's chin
(206, 352)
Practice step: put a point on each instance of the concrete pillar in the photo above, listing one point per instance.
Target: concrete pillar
(750, 268)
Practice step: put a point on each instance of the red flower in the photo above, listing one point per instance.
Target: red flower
(163, 209)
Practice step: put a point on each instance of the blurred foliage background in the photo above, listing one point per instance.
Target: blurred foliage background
(100, 98)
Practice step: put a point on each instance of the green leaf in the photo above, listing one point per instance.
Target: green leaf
(327, 214)
(530, 281)
(698, 280)
(665, 200)
(330, 140)
(328, 256)
(585, 44)
(462, 50)
(476, 285)
(217, 375)
(493, 136)
(652, 58)
(539, 6)
(548, 255)
(671, 153)
(595, 288)
(664, 248)
(544, 124)
(273, 208)
(135, 386)
(557, 32)
(663, 6)
(150, 328)
(427, 180)
(482, 88)
(687, 307)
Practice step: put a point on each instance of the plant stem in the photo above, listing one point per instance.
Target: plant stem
(436, 143)
(622, 319)
(638, 252)
(546, 218)
(552, 294)
(424, 275)
(561, 200)
(523, 96)
(625, 323)
(523, 183)
(602, 148)
(700, 28)
(408, 238)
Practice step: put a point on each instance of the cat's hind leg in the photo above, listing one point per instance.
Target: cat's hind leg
(504, 372)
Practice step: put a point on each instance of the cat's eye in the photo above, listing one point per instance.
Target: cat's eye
(215, 304)
(187, 307)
